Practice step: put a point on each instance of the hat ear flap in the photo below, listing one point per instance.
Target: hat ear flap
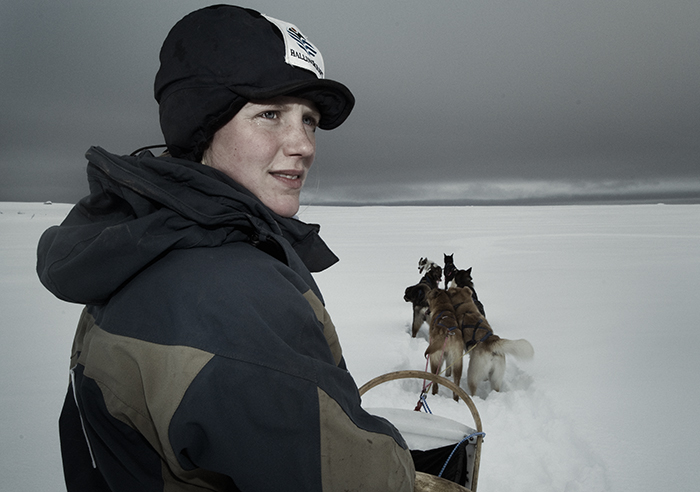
(190, 117)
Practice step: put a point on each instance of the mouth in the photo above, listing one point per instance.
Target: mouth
(292, 179)
(287, 176)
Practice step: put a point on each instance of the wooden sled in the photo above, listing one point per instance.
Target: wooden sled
(408, 422)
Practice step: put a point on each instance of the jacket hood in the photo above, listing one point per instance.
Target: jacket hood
(141, 207)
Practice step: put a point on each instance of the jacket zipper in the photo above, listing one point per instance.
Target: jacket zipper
(80, 413)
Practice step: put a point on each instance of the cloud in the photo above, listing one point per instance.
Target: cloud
(507, 192)
(482, 92)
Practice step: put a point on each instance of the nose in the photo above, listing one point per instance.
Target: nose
(300, 140)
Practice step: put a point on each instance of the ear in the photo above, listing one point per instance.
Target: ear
(469, 270)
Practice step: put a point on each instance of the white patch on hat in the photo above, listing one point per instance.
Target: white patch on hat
(299, 51)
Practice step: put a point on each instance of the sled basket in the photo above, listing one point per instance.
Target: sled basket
(446, 453)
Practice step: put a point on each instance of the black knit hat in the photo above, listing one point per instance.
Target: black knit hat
(218, 58)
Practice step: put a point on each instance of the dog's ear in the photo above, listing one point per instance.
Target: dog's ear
(469, 271)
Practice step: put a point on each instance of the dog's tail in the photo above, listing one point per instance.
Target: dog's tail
(520, 349)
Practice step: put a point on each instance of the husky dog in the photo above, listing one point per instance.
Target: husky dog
(487, 359)
(450, 268)
(446, 344)
(425, 265)
(460, 278)
(417, 295)
(473, 324)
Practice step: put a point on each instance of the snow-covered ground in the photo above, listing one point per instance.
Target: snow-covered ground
(609, 296)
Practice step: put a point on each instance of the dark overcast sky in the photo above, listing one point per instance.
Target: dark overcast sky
(480, 99)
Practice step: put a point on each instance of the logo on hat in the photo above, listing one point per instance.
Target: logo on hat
(302, 42)
(309, 57)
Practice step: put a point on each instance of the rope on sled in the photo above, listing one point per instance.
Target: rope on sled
(482, 434)
(423, 401)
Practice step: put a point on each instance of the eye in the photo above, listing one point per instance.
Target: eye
(269, 115)
(311, 121)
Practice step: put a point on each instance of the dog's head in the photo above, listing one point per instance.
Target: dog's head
(416, 293)
(461, 296)
(463, 278)
(425, 265)
(438, 300)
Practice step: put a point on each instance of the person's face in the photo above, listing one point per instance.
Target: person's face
(268, 147)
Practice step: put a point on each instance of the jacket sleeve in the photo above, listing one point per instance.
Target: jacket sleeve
(275, 408)
(268, 430)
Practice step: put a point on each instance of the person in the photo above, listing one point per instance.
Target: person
(204, 358)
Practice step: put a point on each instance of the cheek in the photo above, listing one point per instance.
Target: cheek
(240, 156)
(253, 148)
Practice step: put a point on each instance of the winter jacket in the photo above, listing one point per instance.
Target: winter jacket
(204, 358)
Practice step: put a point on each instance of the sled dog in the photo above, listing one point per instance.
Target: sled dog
(425, 265)
(460, 278)
(446, 344)
(487, 359)
(449, 268)
(417, 296)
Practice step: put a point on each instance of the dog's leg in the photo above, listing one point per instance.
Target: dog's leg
(453, 356)
(477, 370)
(418, 318)
(457, 374)
(498, 371)
(435, 363)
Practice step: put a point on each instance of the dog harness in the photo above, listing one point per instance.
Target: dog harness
(450, 330)
(476, 327)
